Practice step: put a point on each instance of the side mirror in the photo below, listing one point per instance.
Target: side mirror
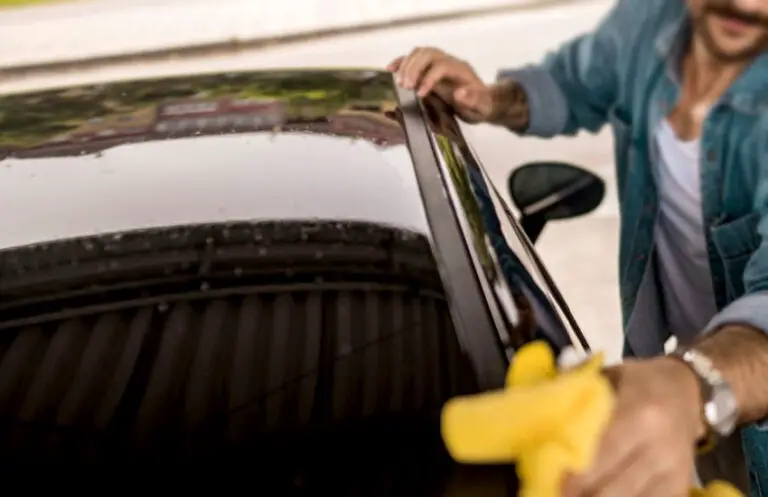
(546, 191)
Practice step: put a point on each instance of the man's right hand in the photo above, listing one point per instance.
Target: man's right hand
(430, 70)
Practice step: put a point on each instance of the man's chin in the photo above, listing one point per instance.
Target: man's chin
(731, 47)
(731, 50)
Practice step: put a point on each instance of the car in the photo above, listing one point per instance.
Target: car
(278, 276)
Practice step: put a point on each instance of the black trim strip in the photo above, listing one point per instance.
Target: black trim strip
(474, 324)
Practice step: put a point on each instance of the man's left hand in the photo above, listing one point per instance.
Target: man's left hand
(648, 449)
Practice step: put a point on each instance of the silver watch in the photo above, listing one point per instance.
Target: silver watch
(720, 408)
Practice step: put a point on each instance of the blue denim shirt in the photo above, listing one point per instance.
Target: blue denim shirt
(626, 74)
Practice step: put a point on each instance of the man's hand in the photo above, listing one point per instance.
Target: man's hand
(428, 70)
(648, 449)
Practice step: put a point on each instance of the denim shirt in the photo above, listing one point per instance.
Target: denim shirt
(626, 74)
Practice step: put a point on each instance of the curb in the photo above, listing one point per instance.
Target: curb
(235, 45)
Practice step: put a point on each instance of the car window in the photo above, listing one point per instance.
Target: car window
(515, 286)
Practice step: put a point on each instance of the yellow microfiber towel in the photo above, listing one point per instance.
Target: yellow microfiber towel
(548, 422)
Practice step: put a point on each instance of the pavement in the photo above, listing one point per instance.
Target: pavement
(59, 33)
(581, 254)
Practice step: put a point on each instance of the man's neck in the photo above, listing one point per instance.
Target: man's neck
(707, 77)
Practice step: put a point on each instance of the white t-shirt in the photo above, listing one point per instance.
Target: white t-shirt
(681, 247)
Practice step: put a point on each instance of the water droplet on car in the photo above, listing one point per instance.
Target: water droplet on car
(162, 307)
(319, 255)
(205, 286)
(117, 237)
(262, 251)
(238, 271)
(209, 241)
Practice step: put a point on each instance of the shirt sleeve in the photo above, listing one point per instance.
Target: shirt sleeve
(576, 86)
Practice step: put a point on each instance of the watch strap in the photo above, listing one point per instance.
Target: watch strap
(710, 380)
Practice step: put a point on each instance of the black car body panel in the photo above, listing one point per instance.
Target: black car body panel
(294, 269)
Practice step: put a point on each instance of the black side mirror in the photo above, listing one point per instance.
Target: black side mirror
(546, 191)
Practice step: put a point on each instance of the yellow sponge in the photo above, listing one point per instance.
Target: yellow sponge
(548, 422)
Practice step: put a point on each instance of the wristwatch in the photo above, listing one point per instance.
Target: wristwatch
(720, 410)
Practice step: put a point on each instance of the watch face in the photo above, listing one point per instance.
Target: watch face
(722, 410)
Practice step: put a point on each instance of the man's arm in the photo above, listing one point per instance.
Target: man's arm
(576, 86)
(741, 355)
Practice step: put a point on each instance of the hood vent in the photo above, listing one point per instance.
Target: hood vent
(118, 271)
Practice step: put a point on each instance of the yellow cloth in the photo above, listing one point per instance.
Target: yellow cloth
(548, 422)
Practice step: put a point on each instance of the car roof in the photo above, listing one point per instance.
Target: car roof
(261, 145)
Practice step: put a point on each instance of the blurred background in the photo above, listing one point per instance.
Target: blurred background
(47, 43)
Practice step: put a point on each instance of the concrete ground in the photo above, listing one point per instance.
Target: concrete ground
(581, 254)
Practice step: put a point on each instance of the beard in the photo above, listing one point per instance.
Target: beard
(726, 9)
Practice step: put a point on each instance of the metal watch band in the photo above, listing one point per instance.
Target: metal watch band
(719, 407)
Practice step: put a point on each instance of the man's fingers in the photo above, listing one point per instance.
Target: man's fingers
(571, 486)
(542, 470)
(632, 479)
(618, 448)
(406, 68)
(394, 66)
(416, 65)
(430, 70)
(431, 78)
(658, 487)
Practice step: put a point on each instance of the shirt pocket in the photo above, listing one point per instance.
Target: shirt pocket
(735, 242)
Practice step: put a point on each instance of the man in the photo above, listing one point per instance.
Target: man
(684, 85)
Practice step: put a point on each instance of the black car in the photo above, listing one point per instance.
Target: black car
(265, 278)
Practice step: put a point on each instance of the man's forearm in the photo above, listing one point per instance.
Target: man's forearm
(741, 354)
(510, 106)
